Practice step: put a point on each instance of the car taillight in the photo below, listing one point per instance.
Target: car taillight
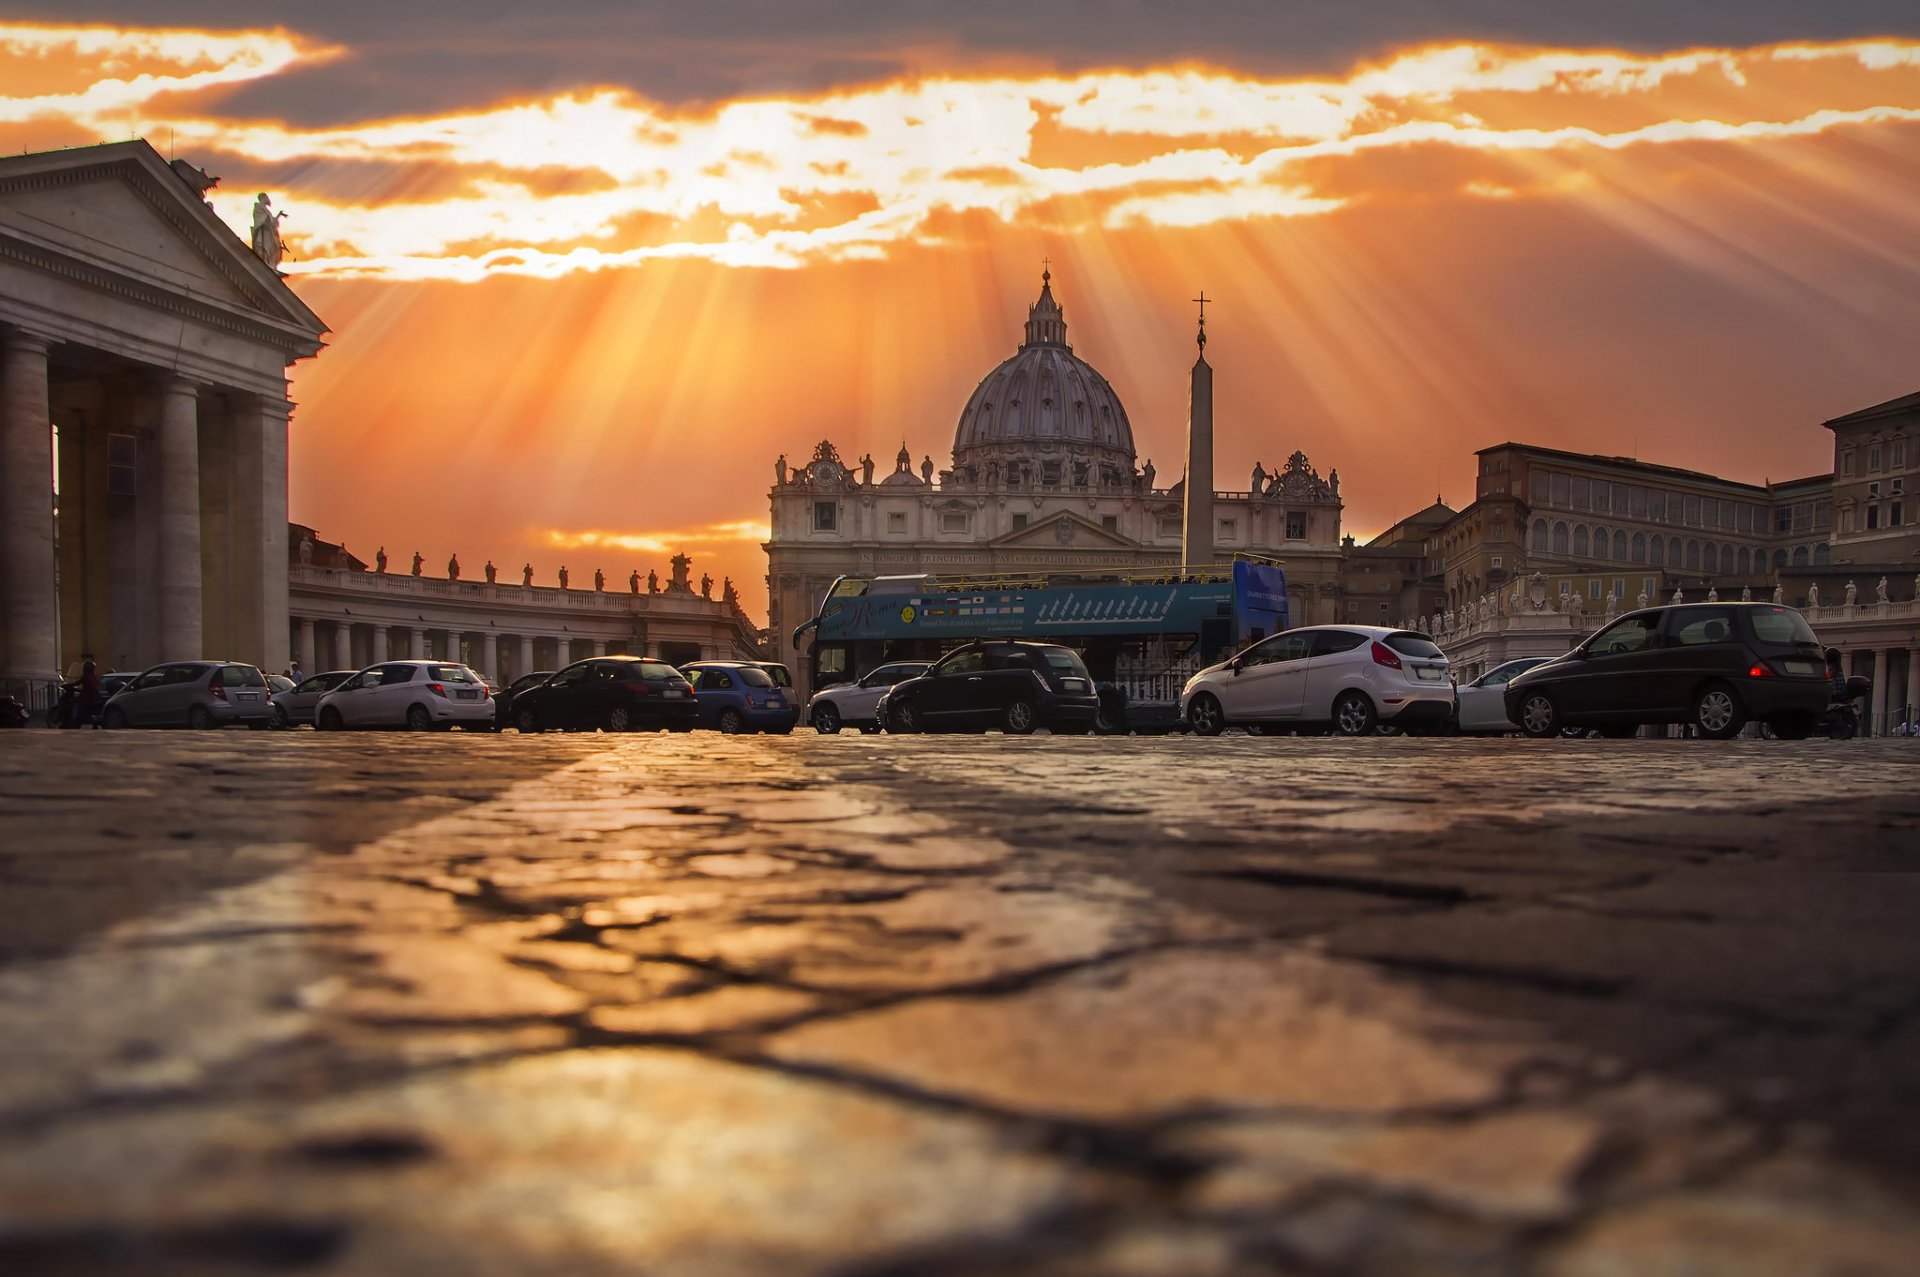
(1384, 655)
(216, 691)
(1759, 671)
(437, 690)
(640, 687)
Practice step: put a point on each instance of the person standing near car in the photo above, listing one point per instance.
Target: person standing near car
(89, 690)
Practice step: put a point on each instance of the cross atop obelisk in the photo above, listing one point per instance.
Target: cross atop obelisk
(1202, 339)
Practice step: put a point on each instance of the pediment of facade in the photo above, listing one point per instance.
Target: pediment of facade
(1063, 529)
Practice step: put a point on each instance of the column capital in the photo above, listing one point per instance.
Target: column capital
(173, 383)
(13, 337)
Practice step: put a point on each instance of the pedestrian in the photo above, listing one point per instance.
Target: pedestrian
(294, 671)
(89, 690)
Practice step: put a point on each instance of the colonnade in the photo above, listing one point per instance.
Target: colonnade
(330, 643)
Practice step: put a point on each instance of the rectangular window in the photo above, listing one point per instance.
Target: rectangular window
(1899, 458)
(1873, 490)
(954, 521)
(1690, 509)
(1296, 525)
(1783, 519)
(1593, 589)
(1873, 458)
(1111, 522)
(1561, 493)
(1656, 505)
(1019, 521)
(1582, 493)
(1846, 522)
(1873, 517)
(1649, 586)
(1893, 514)
(1620, 587)
(1169, 525)
(1637, 502)
(1496, 561)
(826, 516)
(1898, 486)
(1229, 529)
(896, 520)
(1602, 496)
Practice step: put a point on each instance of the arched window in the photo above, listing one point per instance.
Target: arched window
(1639, 547)
(1708, 556)
(1760, 559)
(1820, 554)
(1726, 560)
(1746, 562)
(1693, 555)
(1799, 556)
(1540, 535)
(1560, 538)
(1779, 559)
(1657, 552)
(1580, 541)
(1620, 546)
(1599, 543)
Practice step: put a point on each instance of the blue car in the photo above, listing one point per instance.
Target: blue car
(736, 696)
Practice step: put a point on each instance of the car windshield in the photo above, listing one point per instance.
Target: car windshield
(753, 676)
(779, 675)
(1781, 625)
(1407, 643)
(1065, 660)
(451, 674)
(241, 676)
(658, 672)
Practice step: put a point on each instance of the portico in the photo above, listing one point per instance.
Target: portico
(143, 420)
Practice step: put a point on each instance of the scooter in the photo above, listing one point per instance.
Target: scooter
(1842, 720)
(68, 710)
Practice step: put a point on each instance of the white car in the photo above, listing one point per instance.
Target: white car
(855, 704)
(1483, 705)
(1352, 678)
(421, 695)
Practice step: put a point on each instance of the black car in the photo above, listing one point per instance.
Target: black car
(1002, 683)
(618, 693)
(1711, 665)
(503, 699)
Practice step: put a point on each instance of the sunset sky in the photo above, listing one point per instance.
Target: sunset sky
(590, 266)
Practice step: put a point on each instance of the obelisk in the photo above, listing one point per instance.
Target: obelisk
(1196, 540)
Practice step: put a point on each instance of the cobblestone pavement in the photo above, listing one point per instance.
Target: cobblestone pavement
(871, 1005)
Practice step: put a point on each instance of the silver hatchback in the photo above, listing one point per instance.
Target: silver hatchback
(192, 694)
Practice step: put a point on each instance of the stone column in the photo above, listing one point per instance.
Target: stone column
(1910, 705)
(599, 647)
(490, 657)
(379, 644)
(179, 598)
(259, 530)
(29, 603)
(417, 648)
(526, 656)
(1877, 719)
(562, 652)
(306, 646)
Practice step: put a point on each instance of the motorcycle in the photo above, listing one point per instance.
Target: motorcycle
(13, 713)
(70, 710)
(1841, 720)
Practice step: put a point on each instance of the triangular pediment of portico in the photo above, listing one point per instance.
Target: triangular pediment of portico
(118, 217)
(1064, 528)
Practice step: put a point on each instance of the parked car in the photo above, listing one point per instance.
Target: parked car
(112, 685)
(854, 704)
(1353, 678)
(503, 699)
(1710, 665)
(739, 696)
(192, 694)
(419, 695)
(1013, 685)
(293, 708)
(1481, 706)
(278, 683)
(617, 693)
(781, 676)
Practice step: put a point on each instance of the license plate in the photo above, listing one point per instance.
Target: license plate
(673, 694)
(467, 696)
(1428, 672)
(249, 696)
(1804, 667)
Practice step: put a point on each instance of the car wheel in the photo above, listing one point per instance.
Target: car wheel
(904, 719)
(732, 722)
(618, 720)
(114, 718)
(1539, 716)
(526, 719)
(280, 720)
(329, 720)
(418, 719)
(826, 719)
(1619, 731)
(1205, 716)
(198, 718)
(1717, 713)
(1019, 719)
(1107, 722)
(1354, 715)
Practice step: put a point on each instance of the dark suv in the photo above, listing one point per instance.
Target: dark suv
(1710, 665)
(1000, 683)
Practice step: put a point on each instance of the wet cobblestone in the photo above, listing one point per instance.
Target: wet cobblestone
(872, 1005)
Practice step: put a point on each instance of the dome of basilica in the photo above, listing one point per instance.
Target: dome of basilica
(1045, 410)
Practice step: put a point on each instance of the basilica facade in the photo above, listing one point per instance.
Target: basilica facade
(1044, 479)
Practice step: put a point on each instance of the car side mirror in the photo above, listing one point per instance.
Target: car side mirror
(1234, 665)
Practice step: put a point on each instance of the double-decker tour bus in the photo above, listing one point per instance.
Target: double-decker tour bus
(1144, 633)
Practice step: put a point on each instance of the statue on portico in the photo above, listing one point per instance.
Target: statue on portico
(1613, 604)
(526, 576)
(1146, 472)
(599, 581)
(633, 582)
(1679, 596)
(866, 470)
(926, 470)
(492, 572)
(266, 231)
(1713, 594)
(563, 576)
(1259, 479)
(1813, 594)
(653, 581)
(728, 593)
(306, 550)
(1746, 594)
(679, 585)
(419, 562)
(706, 585)
(780, 470)
(453, 567)
(1333, 481)
(1779, 595)
(1880, 591)
(1853, 591)
(1641, 601)
(380, 559)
